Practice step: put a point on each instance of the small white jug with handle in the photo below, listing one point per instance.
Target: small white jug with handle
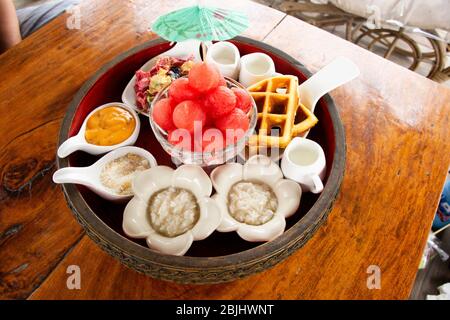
(304, 162)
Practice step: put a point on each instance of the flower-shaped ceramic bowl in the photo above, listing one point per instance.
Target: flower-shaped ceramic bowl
(138, 223)
(257, 170)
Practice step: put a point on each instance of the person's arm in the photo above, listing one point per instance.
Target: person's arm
(9, 25)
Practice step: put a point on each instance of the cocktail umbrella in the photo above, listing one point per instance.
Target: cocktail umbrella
(204, 23)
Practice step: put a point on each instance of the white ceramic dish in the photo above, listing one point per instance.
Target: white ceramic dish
(180, 50)
(226, 57)
(79, 143)
(304, 162)
(333, 75)
(190, 177)
(256, 169)
(90, 176)
(256, 67)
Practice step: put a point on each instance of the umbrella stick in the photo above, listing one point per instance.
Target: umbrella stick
(202, 45)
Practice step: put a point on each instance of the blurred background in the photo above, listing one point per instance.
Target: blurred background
(412, 33)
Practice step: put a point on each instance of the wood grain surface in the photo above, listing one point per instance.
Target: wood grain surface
(397, 134)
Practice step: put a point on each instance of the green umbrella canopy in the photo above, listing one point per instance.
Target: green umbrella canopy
(200, 22)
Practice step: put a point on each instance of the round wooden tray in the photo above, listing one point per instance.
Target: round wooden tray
(223, 256)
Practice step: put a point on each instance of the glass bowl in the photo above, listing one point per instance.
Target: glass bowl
(204, 159)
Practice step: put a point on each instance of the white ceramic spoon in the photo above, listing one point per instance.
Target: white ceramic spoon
(90, 176)
(337, 73)
(79, 142)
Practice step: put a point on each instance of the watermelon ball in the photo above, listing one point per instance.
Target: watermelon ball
(162, 114)
(220, 102)
(204, 77)
(181, 139)
(233, 125)
(189, 114)
(209, 121)
(244, 100)
(180, 90)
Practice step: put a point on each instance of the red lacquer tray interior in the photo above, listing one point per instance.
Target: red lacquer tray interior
(109, 88)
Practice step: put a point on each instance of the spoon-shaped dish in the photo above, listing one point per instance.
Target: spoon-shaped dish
(335, 74)
(90, 176)
(79, 143)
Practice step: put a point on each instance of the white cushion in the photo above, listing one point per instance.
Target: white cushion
(425, 14)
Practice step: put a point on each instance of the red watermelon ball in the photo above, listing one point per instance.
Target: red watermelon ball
(162, 114)
(220, 102)
(209, 121)
(180, 90)
(204, 77)
(244, 100)
(187, 114)
(234, 125)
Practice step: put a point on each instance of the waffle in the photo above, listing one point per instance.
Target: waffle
(279, 110)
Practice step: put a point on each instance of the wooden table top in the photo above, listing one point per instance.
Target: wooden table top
(396, 126)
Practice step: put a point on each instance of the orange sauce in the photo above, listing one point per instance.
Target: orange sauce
(109, 126)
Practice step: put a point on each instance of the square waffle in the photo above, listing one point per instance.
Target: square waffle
(280, 116)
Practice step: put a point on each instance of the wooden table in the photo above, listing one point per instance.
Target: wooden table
(397, 138)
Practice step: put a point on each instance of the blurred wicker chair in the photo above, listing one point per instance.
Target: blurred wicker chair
(386, 40)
